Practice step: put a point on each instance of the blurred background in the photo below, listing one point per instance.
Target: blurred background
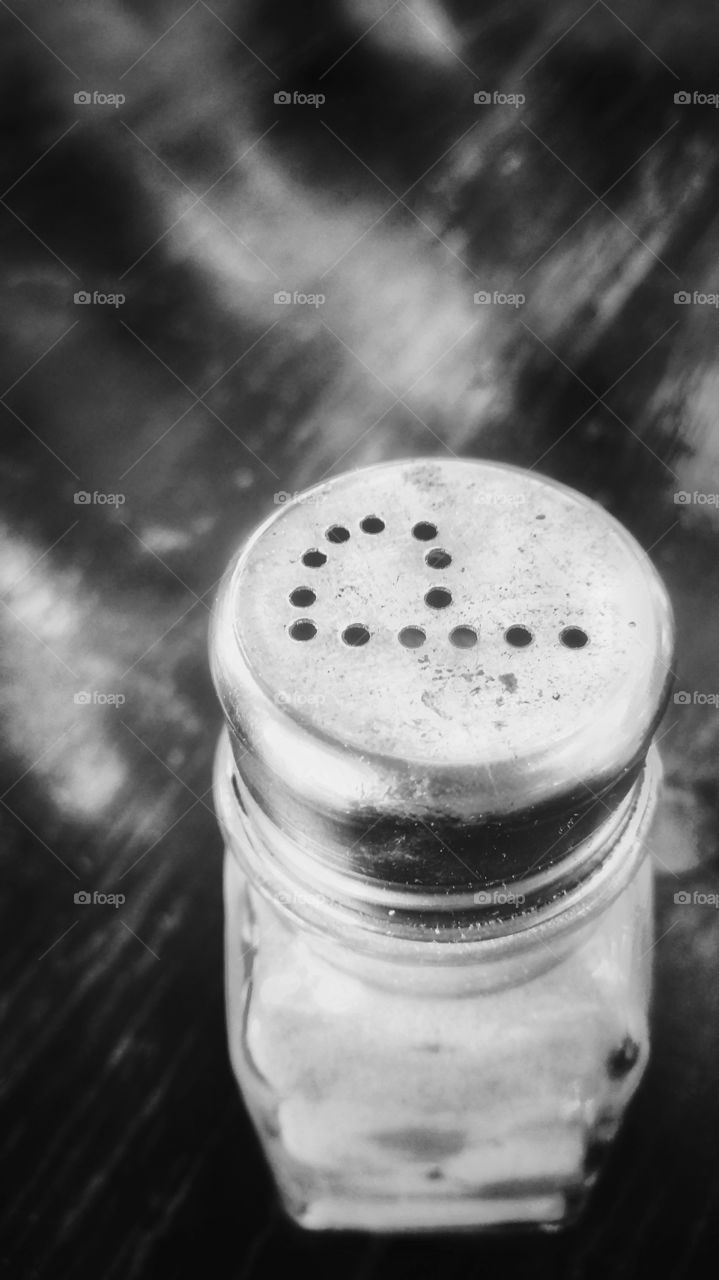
(246, 246)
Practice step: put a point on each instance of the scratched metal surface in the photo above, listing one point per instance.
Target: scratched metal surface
(197, 400)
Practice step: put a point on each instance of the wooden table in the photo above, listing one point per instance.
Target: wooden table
(184, 410)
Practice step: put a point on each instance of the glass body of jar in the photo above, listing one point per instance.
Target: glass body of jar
(430, 1079)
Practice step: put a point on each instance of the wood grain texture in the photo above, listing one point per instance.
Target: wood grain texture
(128, 1153)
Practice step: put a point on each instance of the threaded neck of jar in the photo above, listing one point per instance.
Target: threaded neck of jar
(334, 898)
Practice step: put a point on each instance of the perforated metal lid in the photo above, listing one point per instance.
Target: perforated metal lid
(441, 672)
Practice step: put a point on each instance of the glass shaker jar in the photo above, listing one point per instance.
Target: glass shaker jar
(441, 680)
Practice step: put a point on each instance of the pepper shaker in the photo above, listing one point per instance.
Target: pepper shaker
(440, 681)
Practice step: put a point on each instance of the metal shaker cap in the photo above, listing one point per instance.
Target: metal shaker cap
(441, 674)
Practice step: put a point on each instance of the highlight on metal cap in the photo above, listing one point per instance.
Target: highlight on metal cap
(440, 674)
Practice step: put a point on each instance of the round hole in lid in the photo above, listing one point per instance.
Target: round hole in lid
(424, 531)
(574, 638)
(437, 558)
(438, 598)
(337, 533)
(355, 635)
(412, 637)
(314, 558)
(303, 629)
(463, 637)
(302, 597)
(519, 637)
(372, 524)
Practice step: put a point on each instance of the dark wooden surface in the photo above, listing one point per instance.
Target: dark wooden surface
(127, 1150)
